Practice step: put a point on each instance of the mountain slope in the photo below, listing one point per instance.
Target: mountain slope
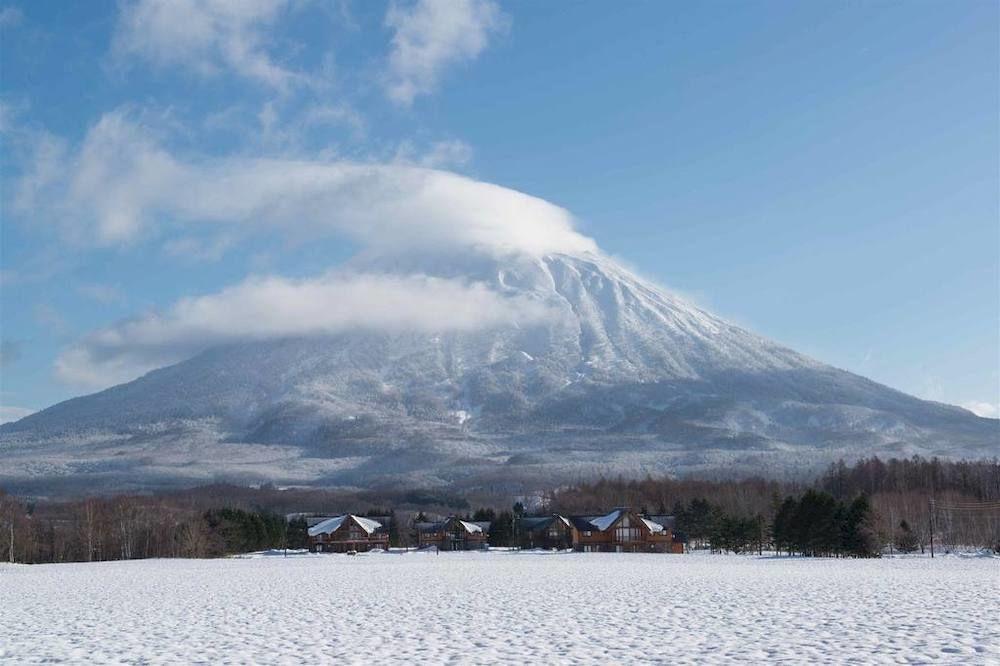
(620, 377)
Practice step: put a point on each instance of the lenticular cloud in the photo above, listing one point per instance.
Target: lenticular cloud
(122, 182)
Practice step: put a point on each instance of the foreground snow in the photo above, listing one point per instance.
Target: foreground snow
(503, 607)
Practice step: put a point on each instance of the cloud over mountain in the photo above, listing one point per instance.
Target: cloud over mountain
(122, 181)
(275, 307)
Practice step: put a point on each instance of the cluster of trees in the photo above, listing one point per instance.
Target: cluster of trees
(966, 511)
(812, 524)
(132, 527)
(501, 525)
(821, 517)
(819, 524)
(702, 522)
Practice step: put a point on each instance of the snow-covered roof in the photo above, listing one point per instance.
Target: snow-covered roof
(653, 527)
(333, 524)
(604, 522)
(470, 527)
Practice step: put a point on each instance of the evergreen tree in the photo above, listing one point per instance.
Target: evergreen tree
(859, 538)
(906, 539)
(502, 530)
(297, 533)
(395, 537)
(782, 529)
(484, 515)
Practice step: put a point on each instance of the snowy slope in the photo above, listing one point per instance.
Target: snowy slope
(621, 377)
(494, 608)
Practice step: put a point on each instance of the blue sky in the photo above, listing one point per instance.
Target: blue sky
(825, 174)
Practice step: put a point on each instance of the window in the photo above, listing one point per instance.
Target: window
(623, 534)
(586, 534)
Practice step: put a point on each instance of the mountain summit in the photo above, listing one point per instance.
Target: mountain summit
(606, 374)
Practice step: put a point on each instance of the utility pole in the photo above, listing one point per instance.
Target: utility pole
(930, 522)
(892, 530)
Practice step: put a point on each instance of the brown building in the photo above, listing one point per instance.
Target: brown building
(346, 533)
(623, 531)
(453, 534)
(548, 532)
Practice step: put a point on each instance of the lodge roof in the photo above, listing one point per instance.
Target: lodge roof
(469, 526)
(602, 523)
(538, 523)
(333, 524)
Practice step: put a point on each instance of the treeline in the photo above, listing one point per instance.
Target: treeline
(134, 527)
(735, 515)
(965, 512)
(814, 524)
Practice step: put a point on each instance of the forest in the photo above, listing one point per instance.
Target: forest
(860, 510)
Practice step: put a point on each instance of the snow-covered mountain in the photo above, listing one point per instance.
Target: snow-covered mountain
(619, 377)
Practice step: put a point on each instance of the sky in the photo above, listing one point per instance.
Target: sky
(177, 173)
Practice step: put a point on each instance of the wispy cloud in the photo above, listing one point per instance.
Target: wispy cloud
(448, 154)
(104, 294)
(206, 36)
(989, 410)
(276, 307)
(50, 319)
(10, 17)
(431, 35)
(122, 181)
(10, 351)
(194, 249)
(10, 413)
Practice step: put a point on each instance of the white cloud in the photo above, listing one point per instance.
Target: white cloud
(429, 36)
(276, 307)
(989, 410)
(208, 36)
(10, 413)
(121, 182)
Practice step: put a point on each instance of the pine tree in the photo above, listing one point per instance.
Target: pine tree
(858, 535)
(395, 537)
(297, 533)
(502, 530)
(782, 528)
(906, 539)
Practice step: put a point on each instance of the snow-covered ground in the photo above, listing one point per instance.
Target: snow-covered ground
(503, 607)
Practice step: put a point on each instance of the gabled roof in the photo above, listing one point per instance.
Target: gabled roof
(653, 526)
(474, 527)
(582, 523)
(331, 525)
(602, 523)
(469, 526)
(667, 521)
(533, 523)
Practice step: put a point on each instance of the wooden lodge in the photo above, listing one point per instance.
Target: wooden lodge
(548, 532)
(620, 531)
(453, 534)
(347, 533)
(624, 531)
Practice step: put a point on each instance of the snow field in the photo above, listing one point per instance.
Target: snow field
(503, 607)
